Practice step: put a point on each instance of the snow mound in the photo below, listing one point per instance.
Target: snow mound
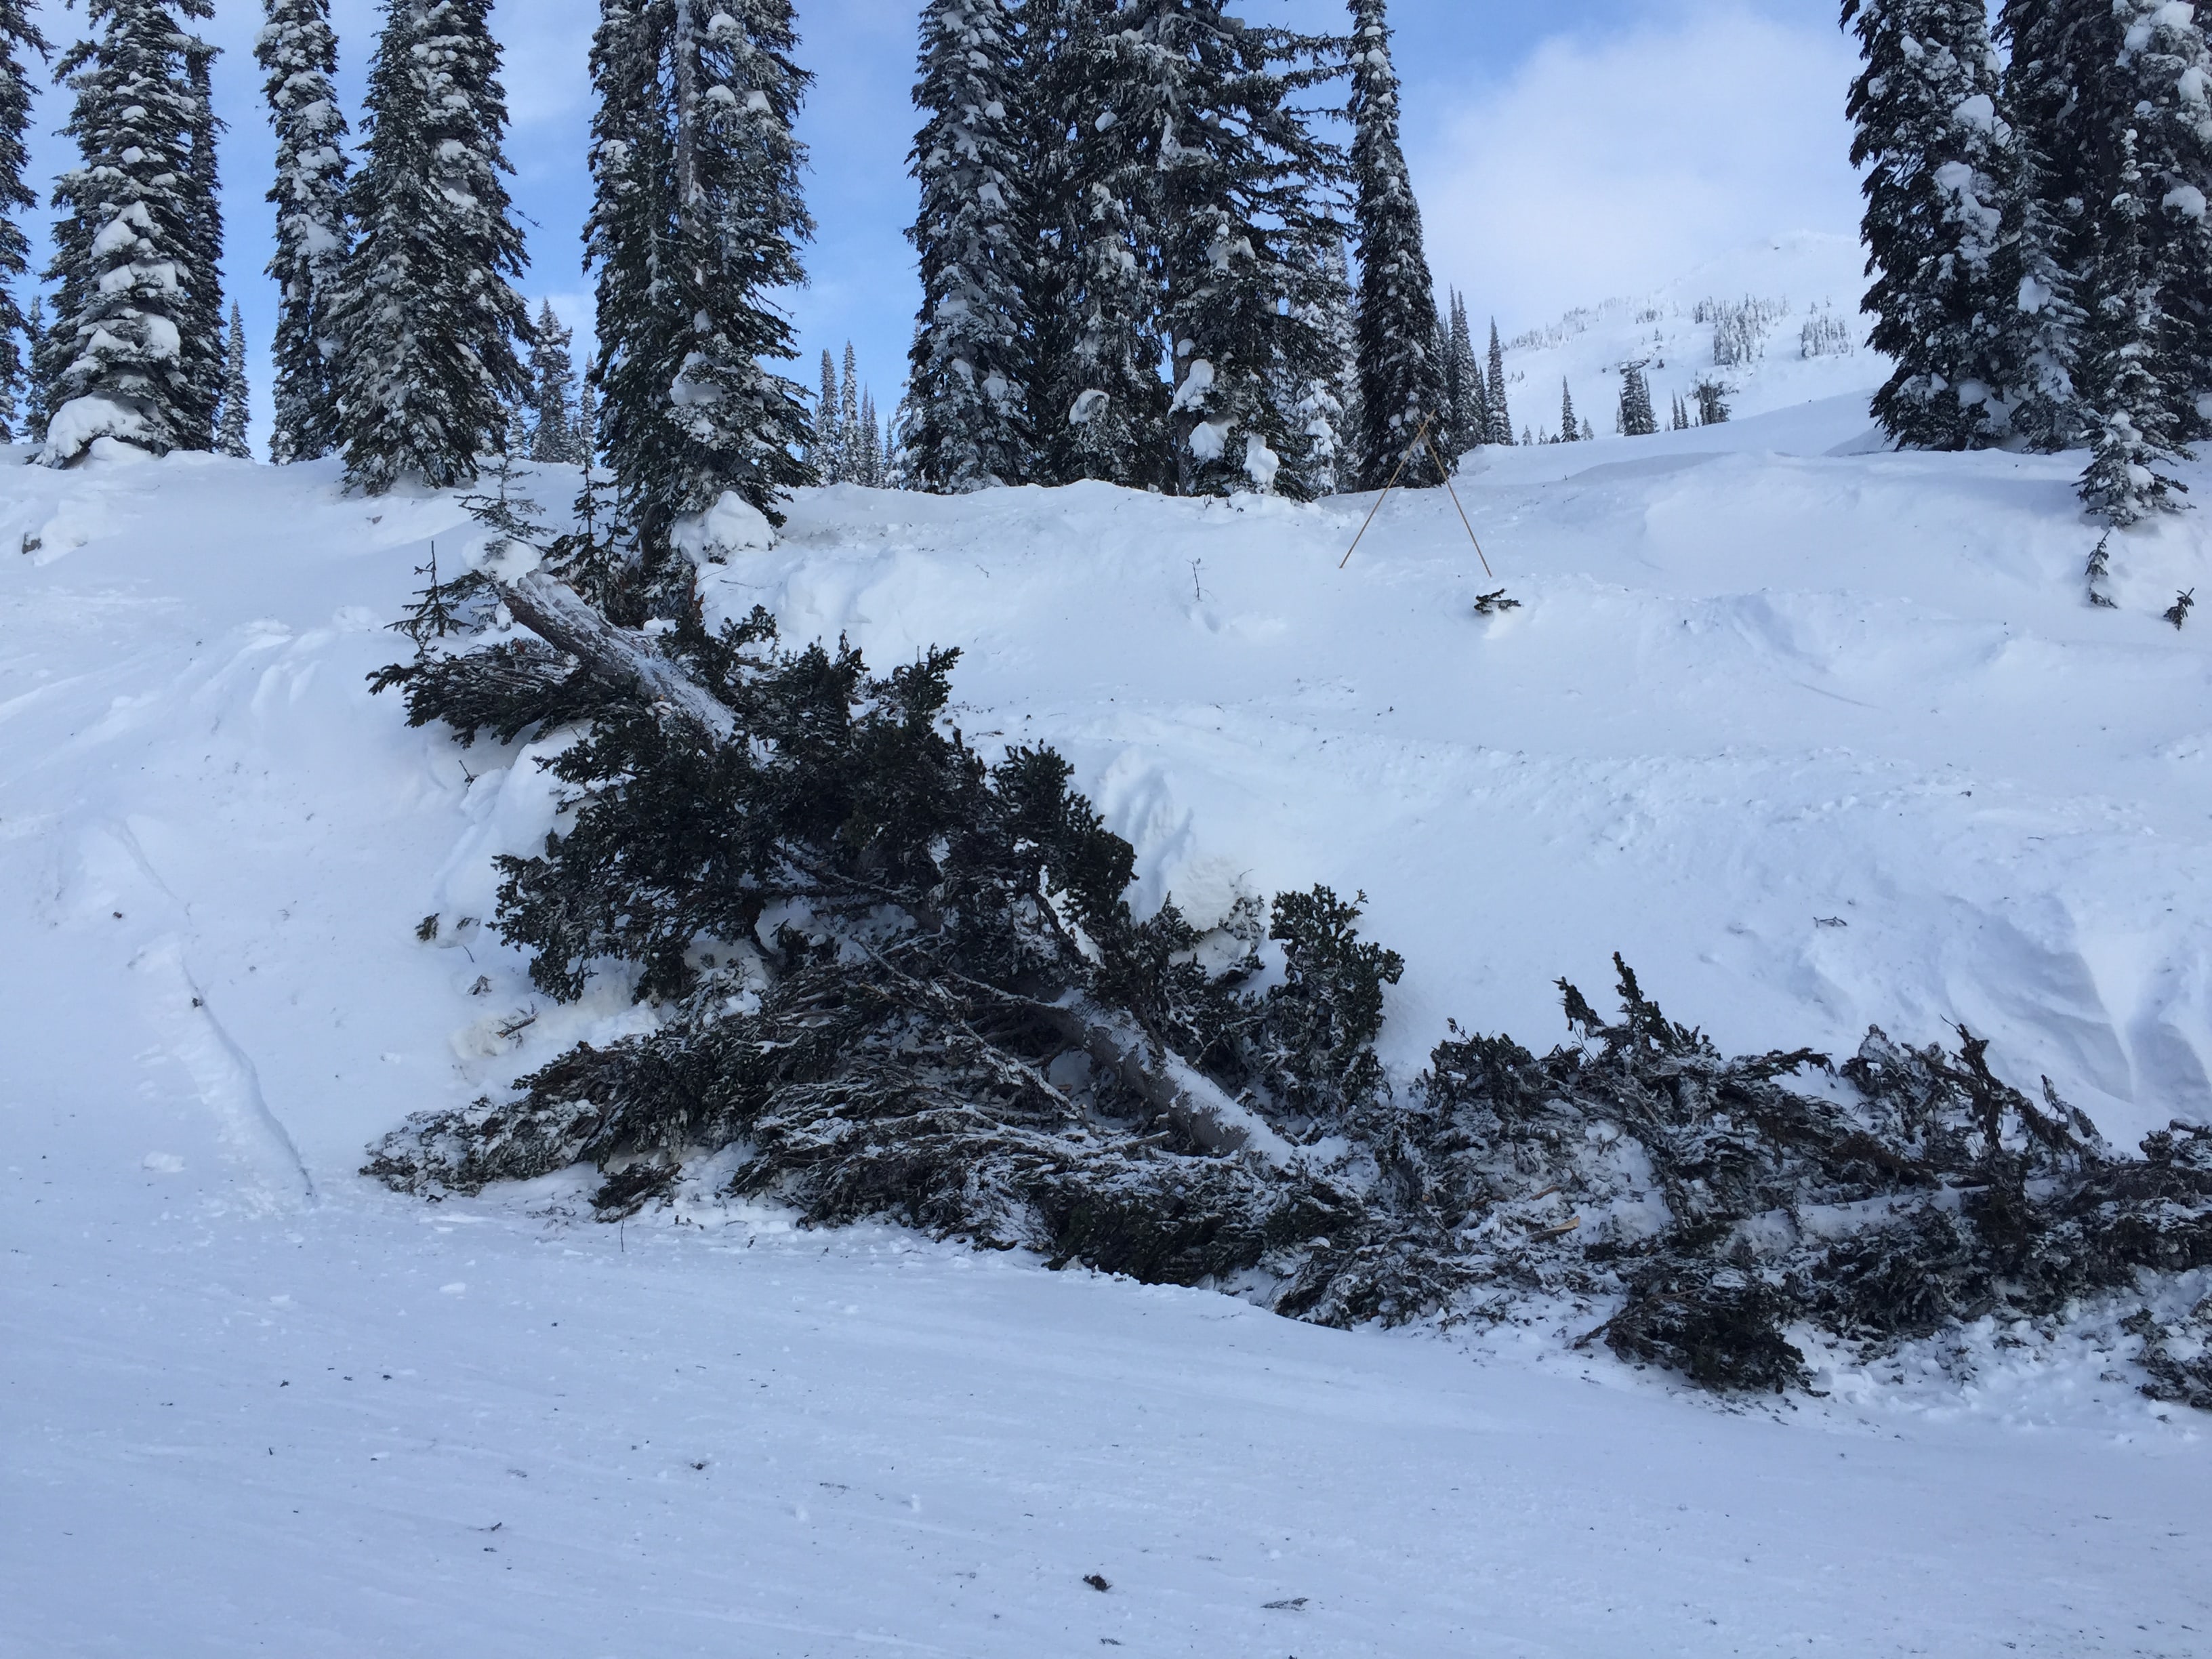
(732, 524)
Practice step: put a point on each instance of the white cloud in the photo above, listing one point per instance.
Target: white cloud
(1605, 166)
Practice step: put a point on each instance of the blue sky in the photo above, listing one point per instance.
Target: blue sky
(1563, 152)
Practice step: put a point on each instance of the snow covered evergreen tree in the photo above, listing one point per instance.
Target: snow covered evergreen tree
(2134, 439)
(426, 315)
(1465, 388)
(2048, 239)
(297, 49)
(2163, 99)
(18, 38)
(1201, 141)
(1932, 144)
(204, 332)
(826, 453)
(36, 409)
(1570, 429)
(131, 245)
(1401, 380)
(1501, 418)
(235, 413)
(1637, 417)
(695, 222)
(850, 460)
(587, 422)
(1313, 400)
(868, 456)
(970, 366)
(2106, 241)
(553, 433)
(1099, 407)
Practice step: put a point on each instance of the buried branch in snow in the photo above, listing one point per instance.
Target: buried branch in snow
(908, 984)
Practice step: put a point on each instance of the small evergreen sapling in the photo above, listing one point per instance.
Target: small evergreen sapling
(2178, 612)
(2098, 572)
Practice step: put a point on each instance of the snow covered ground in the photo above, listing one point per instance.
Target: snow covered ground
(1815, 736)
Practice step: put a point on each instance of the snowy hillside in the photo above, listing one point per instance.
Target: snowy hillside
(1778, 322)
(1817, 737)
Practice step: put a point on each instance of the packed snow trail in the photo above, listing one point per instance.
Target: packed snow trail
(254, 1404)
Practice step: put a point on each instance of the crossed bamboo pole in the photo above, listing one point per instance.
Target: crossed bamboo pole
(1420, 436)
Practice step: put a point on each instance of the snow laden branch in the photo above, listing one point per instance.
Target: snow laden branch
(890, 978)
(630, 661)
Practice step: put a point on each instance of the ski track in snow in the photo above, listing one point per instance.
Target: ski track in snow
(1763, 683)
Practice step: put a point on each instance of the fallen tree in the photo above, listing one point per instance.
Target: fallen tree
(906, 983)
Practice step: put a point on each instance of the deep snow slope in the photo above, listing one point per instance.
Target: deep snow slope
(1762, 683)
(1804, 288)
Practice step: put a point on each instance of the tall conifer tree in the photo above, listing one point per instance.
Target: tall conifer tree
(427, 316)
(18, 38)
(1638, 419)
(236, 412)
(696, 220)
(868, 466)
(849, 459)
(1464, 385)
(1201, 137)
(1401, 380)
(298, 51)
(2162, 96)
(2048, 240)
(2134, 444)
(1934, 150)
(553, 429)
(204, 330)
(1100, 408)
(971, 366)
(130, 249)
(826, 453)
(1501, 418)
(35, 407)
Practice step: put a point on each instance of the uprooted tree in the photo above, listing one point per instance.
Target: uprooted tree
(904, 980)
